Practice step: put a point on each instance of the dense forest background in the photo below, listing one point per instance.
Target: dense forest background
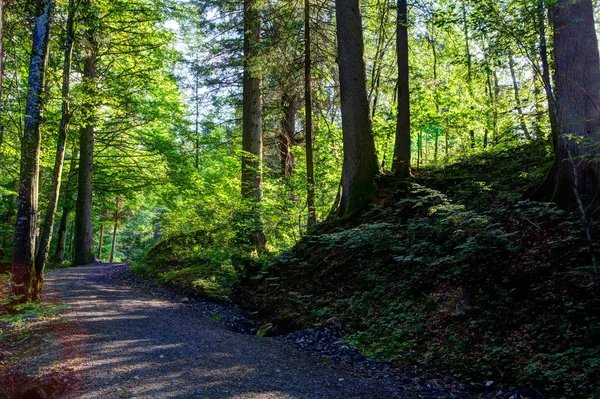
(200, 140)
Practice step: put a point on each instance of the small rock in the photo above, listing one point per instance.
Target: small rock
(184, 300)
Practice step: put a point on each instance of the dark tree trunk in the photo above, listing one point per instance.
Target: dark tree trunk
(100, 242)
(286, 139)
(401, 166)
(84, 246)
(113, 246)
(252, 141)
(310, 166)
(577, 100)
(63, 227)
(23, 273)
(513, 75)
(46, 236)
(360, 158)
(114, 242)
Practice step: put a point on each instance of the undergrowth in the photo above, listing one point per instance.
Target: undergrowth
(475, 281)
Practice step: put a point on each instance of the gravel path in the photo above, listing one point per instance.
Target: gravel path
(140, 346)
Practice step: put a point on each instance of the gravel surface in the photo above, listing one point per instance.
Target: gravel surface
(143, 340)
(140, 346)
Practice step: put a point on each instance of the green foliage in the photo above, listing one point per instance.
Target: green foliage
(473, 282)
(201, 263)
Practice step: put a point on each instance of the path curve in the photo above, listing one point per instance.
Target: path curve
(138, 346)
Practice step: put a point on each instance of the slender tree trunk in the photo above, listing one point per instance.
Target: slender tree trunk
(473, 143)
(197, 138)
(115, 229)
(62, 230)
(83, 243)
(310, 166)
(100, 241)
(252, 141)
(286, 139)
(513, 75)
(114, 243)
(577, 63)
(23, 262)
(360, 158)
(552, 111)
(46, 236)
(402, 154)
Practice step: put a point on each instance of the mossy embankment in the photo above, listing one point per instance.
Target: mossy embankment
(455, 271)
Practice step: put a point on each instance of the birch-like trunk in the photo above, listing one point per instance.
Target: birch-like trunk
(47, 227)
(23, 272)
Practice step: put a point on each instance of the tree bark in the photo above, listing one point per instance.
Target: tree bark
(115, 229)
(84, 246)
(100, 239)
(310, 166)
(62, 230)
(577, 94)
(46, 236)
(286, 139)
(513, 75)
(252, 140)
(402, 154)
(552, 112)
(23, 273)
(360, 158)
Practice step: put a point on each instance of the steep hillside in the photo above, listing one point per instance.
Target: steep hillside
(454, 271)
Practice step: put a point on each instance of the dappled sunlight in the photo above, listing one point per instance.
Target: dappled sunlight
(137, 346)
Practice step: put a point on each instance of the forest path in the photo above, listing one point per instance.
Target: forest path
(138, 346)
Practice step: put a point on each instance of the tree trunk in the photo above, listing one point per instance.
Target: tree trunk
(62, 230)
(402, 154)
(84, 246)
(310, 166)
(552, 111)
(513, 75)
(115, 229)
(100, 239)
(114, 242)
(473, 143)
(286, 139)
(252, 140)
(23, 277)
(46, 236)
(577, 99)
(360, 158)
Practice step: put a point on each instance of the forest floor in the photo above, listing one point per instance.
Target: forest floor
(123, 341)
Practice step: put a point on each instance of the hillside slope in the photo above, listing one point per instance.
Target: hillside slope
(453, 271)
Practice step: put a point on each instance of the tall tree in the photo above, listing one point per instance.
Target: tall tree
(402, 148)
(517, 94)
(310, 165)
(577, 84)
(23, 274)
(252, 141)
(84, 246)
(360, 158)
(46, 236)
